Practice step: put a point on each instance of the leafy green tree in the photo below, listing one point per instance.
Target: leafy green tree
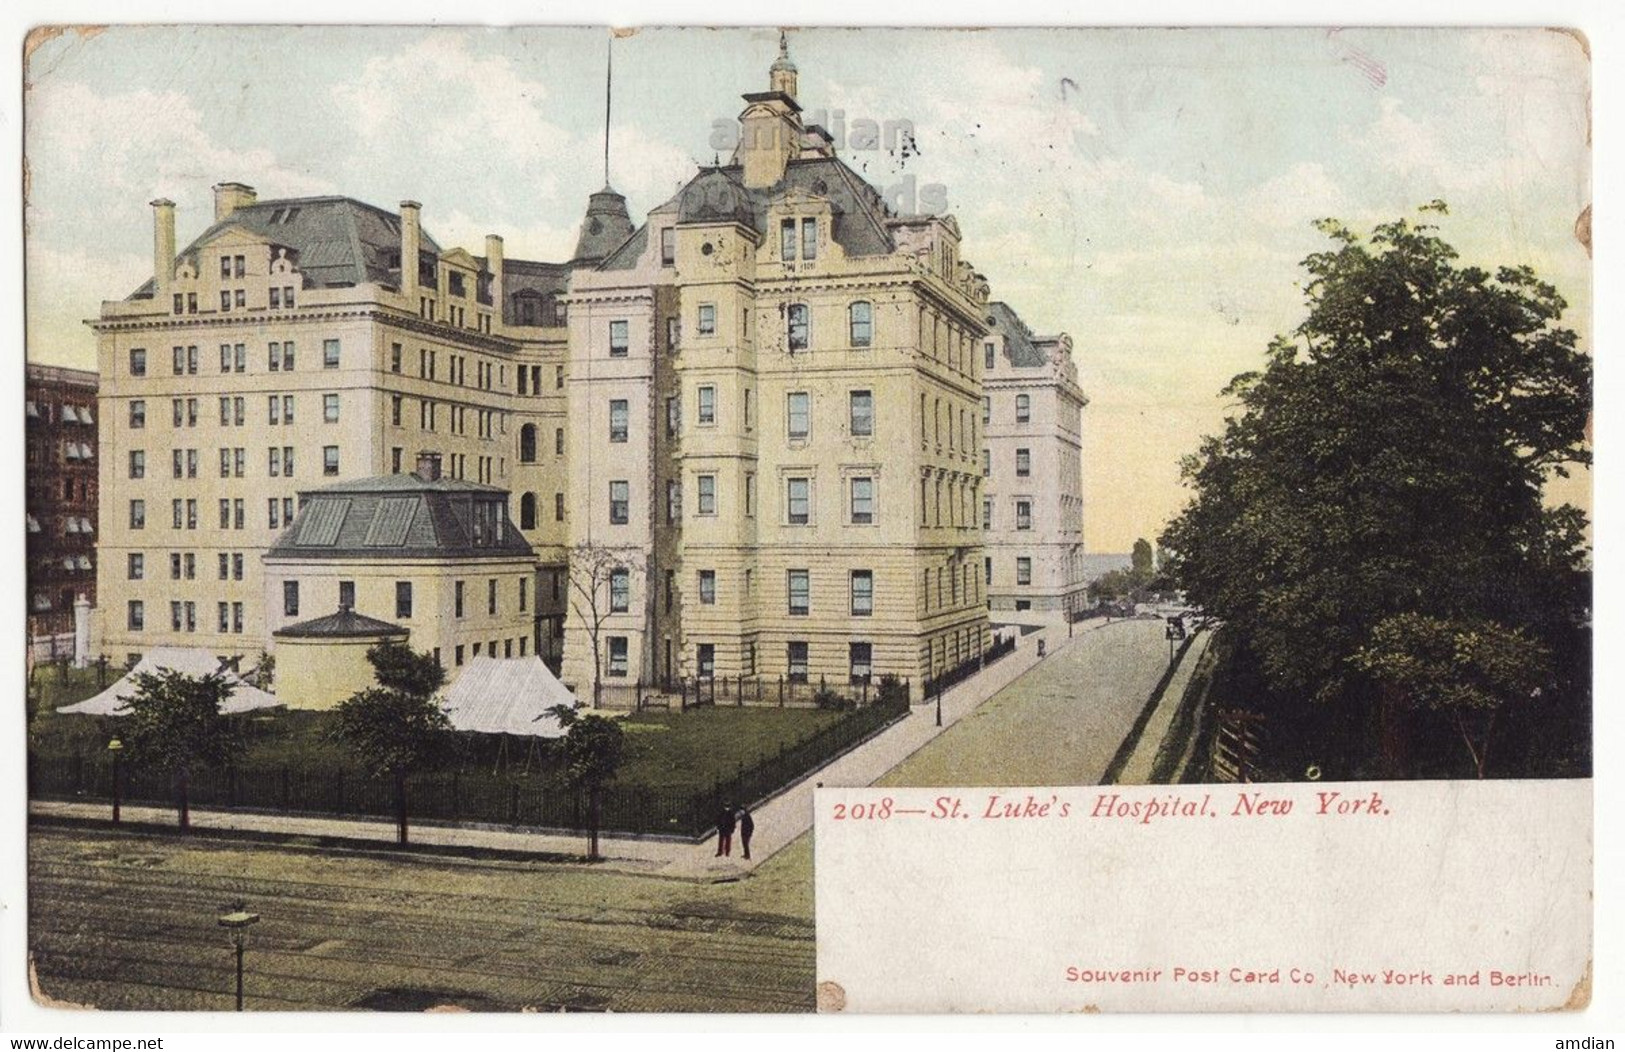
(397, 727)
(174, 724)
(1389, 458)
(1469, 671)
(593, 748)
(1143, 558)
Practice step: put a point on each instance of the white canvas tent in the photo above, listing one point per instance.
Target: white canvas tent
(507, 696)
(188, 660)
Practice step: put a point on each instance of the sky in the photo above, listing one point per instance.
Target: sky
(1150, 192)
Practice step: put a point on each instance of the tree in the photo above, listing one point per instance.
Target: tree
(1143, 559)
(1389, 458)
(174, 724)
(397, 727)
(593, 568)
(593, 747)
(1470, 671)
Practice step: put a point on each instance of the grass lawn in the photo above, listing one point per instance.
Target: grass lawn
(55, 690)
(664, 750)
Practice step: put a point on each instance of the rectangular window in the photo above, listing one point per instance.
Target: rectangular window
(798, 405)
(1024, 463)
(707, 324)
(861, 316)
(863, 593)
(798, 321)
(1024, 570)
(403, 598)
(620, 501)
(330, 460)
(138, 463)
(290, 598)
(705, 659)
(330, 408)
(798, 508)
(796, 661)
(330, 354)
(617, 657)
(750, 493)
(707, 495)
(987, 462)
(619, 339)
(558, 441)
(558, 507)
(860, 658)
(1023, 408)
(1024, 515)
(787, 240)
(491, 597)
(863, 501)
(138, 414)
(799, 584)
(668, 246)
(347, 595)
(708, 404)
(136, 616)
(617, 419)
(457, 599)
(674, 501)
(987, 513)
(862, 415)
(138, 361)
(708, 587)
(987, 357)
(138, 515)
(524, 594)
(809, 239)
(137, 568)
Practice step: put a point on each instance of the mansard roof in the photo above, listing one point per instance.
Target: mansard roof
(402, 517)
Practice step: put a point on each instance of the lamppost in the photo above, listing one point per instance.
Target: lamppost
(939, 705)
(237, 922)
(116, 747)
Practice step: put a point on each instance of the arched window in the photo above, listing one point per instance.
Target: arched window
(527, 511)
(861, 323)
(527, 444)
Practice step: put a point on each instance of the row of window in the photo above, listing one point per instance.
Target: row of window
(183, 616)
(797, 657)
(280, 357)
(279, 296)
(1024, 409)
(183, 566)
(488, 423)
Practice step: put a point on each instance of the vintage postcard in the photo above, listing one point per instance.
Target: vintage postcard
(791, 520)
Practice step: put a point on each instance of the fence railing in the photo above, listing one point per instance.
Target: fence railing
(465, 795)
(738, 691)
(935, 685)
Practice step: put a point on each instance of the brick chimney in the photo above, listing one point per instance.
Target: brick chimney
(163, 242)
(428, 466)
(228, 197)
(411, 245)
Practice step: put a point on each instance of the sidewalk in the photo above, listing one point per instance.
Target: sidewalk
(778, 822)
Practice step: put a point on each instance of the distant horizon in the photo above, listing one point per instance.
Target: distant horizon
(1150, 192)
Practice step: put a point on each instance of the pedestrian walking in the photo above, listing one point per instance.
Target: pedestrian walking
(725, 830)
(747, 826)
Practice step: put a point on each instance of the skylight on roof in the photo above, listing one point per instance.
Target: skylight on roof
(323, 519)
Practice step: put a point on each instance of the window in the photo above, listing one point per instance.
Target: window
(136, 617)
(491, 597)
(707, 495)
(863, 593)
(800, 589)
(797, 503)
(1024, 570)
(138, 515)
(809, 239)
(527, 444)
(1024, 515)
(617, 419)
(987, 462)
(1024, 463)
(787, 240)
(1023, 408)
(750, 493)
(347, 595)
(987, 513)
(707, 323)
(179, 356)
(987, 409)
(330, 354)
(403, 598)
(138, 414)
(558, 441)
(290, 598)
(617, 656)
(330, 408)
(619, 339)
(860, 659)
(524, 596)
(987, 357)
(708, 587)
(138, 463)
(674, 417)
(137, 568)
(668, 246)
(558, 507)
(138, 361)
(620, 499)
(798, 415)
(797, 322)
(330, 460)
(860, 323)
(674, 501)
(395, 404)
(457, 599)
(796, 661)
(862, 415)
(748, 415)
(708, 404)
(527, 511)
(863, 501)
(705, 655)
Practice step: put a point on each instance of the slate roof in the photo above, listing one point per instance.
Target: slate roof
(334, 241)
(605, 226)
(1020, 346)
(402, 517)
(346, 624)
(521, 276)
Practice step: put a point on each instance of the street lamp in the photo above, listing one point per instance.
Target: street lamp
(237, 922)
(116, 747)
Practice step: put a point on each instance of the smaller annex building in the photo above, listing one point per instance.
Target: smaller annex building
(417, 557)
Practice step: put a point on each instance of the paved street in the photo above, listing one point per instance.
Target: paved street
(127, 921)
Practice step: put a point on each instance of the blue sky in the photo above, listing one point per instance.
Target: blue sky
(1149, 192)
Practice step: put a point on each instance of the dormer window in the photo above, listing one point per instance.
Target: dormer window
(668, 246)
(454, 282)
(787, 240)
(809, 239)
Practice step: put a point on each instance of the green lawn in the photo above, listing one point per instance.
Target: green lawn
(56, 689)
